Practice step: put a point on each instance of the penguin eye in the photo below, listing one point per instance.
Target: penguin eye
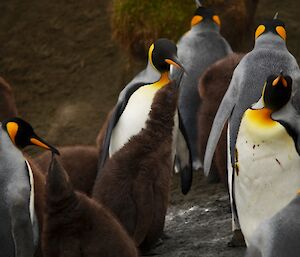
(260, 29)
(196, 19)
(281, 32)
(12, 129)
(217, 20)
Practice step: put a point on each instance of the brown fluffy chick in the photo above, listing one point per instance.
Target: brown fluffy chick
(8, 107)
(212, 87)
(80, 162)
(75, 225)
(134, 183)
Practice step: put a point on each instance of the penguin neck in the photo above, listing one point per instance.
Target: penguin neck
(163, 81)
(270, 41)
(206, 26)
(261, 118)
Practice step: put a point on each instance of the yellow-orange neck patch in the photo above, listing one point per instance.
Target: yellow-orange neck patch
(196, 20)
(217, 20)
(151, 48)
(260, 118)
(163, 81)
(12, 129)
(281, 32)
(260, 29)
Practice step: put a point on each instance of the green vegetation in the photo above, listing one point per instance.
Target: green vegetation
(137, 23)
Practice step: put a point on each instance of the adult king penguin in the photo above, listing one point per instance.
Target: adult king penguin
(279, 235)
(269, 56)
(19, 232)
(134, 104)
(200, 47)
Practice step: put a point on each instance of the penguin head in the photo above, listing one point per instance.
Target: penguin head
(162, 54)
(203, 14)
(276, 93)
(21, 134)
(274, 26)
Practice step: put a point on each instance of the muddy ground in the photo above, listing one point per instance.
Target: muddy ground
(67, 72)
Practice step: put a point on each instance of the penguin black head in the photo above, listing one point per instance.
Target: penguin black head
(277, 91)
(21, 134)
(202, 14)
(274, 26)
(162, 54)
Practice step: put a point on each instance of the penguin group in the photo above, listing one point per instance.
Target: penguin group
(112, 200)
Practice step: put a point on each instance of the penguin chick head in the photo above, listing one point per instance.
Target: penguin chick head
(274, 26)
(202, 14)
(21, 134)
(277, 91)
(162, 54)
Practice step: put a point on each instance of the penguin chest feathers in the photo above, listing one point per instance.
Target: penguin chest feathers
(266, 169)
(135, 115)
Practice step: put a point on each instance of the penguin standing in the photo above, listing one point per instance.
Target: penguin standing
(200, 47)
(212, 87)
(20, 220)
(76, 225)
(8, 107)
(134, 104)
(269, 56)
(135, 182)
(278, 236)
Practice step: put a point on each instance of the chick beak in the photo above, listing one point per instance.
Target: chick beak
(35, 140)
(175, 62)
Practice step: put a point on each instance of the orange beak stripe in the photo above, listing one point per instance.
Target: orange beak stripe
(172, 63)
(39, 143)
(284, 82)
(12, 129)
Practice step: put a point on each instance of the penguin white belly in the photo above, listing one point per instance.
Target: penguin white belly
(268, 173)
(134, 117)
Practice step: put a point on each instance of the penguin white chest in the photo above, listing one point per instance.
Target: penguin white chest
(134, 117)
(267, 172)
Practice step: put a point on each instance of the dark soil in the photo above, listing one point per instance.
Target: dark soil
(67, 72)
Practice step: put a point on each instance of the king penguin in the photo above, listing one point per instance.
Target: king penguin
(279, 235)
(200, 47)
(135, 182)
(76, 225)
(269, 56)
(19, 229)
(134, 104)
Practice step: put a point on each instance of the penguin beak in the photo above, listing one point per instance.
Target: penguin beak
(283, 80)
(35, 140)
(175, 62)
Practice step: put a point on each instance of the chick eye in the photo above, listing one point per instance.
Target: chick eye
(281, 32)
(217, 20)
(196, 19)
(260, 29)
(12, 129)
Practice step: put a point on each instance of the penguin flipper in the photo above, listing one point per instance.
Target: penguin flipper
(186, 170)
(117, 112)
(224, 112)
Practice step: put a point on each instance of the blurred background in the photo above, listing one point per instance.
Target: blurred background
(67, 60)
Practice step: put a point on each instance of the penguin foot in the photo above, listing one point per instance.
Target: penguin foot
(237, 239)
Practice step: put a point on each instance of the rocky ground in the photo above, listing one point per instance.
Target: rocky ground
(67, 72)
